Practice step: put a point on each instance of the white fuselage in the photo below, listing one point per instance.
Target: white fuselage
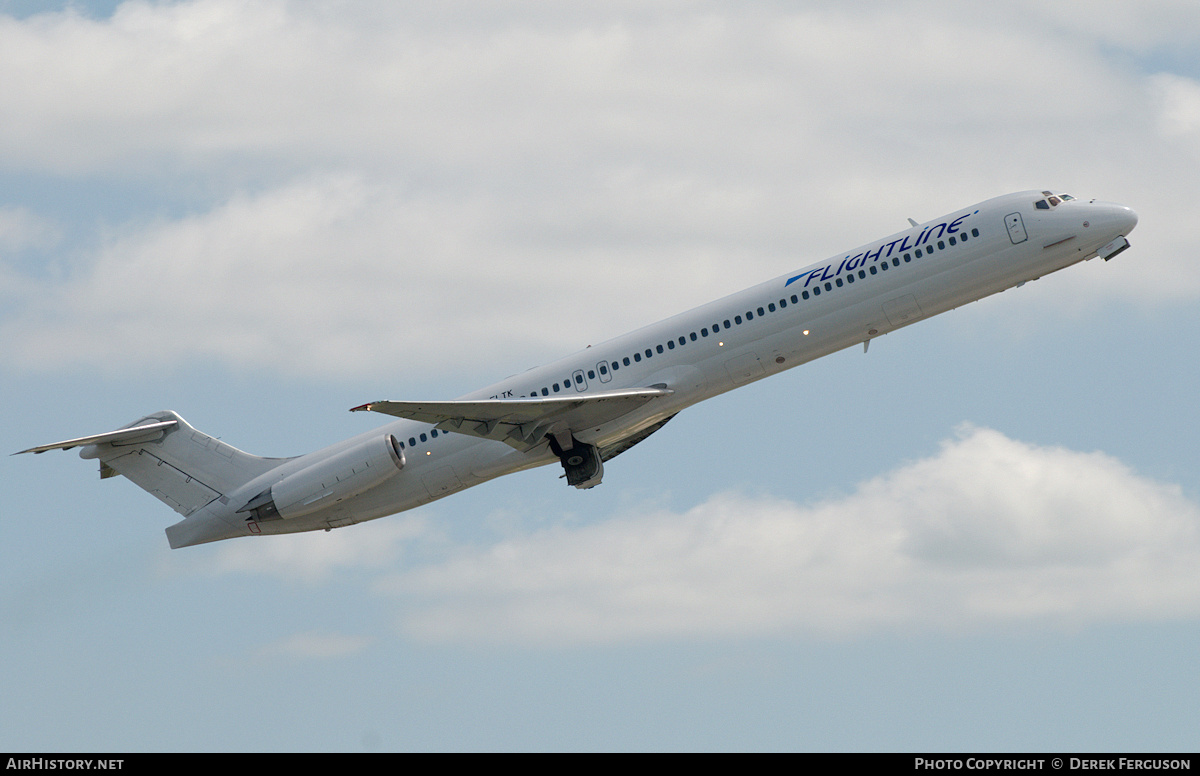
(842, 301)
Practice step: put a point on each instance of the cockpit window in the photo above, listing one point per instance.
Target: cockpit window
(1052, 200)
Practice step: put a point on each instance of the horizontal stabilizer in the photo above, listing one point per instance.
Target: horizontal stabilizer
(162, 454)
(520, 423)
(144, 433)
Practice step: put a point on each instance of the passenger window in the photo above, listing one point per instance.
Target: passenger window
(592, 375)
(795, 300)
(659, 349)
(941, 245)
(771, 307)
(804, 294)
(554, 387)
(974, 232)
(682, 341)
(850, 278)
(875, 271)
(760, 312)
(424, 438)
(412, 441)
(693, 336)
(637, 357)
(828, 286)
(816, 290)
(625, 360)
(838, 282)
(737, 319)
(704, 332)
(749, 316)
(727, 325)
(953, 241)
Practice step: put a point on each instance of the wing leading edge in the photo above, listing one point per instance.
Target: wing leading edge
(521, 423)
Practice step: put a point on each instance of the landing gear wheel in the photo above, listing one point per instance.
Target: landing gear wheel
(581, 463)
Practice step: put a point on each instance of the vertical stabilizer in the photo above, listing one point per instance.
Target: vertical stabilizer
(184, 468)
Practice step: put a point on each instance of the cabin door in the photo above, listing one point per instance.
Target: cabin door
(1016, 228)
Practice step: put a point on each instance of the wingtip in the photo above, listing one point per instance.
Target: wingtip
(361, 408)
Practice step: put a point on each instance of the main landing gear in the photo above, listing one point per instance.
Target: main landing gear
(581, 462)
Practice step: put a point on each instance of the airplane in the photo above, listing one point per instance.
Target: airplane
(584, 410)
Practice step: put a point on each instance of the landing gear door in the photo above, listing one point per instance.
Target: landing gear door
(1016, 228)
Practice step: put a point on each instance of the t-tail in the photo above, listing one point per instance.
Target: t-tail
(188, 470)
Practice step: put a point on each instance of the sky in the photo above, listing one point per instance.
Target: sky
(983, 535)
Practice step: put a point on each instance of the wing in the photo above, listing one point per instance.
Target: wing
(521, 423)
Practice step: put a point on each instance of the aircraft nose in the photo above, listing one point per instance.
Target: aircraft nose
(1126, 219)
(1122, 219)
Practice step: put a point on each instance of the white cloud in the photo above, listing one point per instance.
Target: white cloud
(536, 92)
(332, 275)
(435, 187)
(314, 558)
(990, 532)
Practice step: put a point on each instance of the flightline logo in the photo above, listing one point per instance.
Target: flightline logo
(851, 263)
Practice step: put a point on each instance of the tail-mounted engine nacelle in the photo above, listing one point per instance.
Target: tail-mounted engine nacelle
(348, 474)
